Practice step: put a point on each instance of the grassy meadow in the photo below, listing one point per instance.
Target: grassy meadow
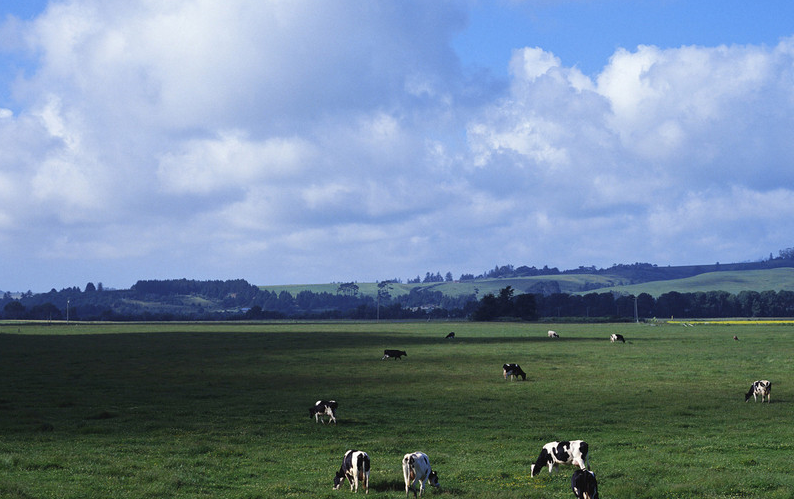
(221, 410)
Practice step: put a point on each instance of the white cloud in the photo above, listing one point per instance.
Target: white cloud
(663, 146)
(325, 141)
(231, 160)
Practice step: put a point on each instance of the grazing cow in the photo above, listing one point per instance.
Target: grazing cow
(735, 337)
(355, 467)
(617, 337)
(514, 371)
(761, 387)
(395, 354)
(450, 336)
(416, 467)
(553, 334)
(555, 453)
(584, 485)
(324, 408)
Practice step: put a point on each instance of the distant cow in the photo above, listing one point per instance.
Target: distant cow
(763, 388)
(324, 408)
(416, 467)
(584, 485)
(617, 337)
(355, 467)
(393, 354)
(553, 334)
(735, 337)
(514, 371)
(450, 336)
(556, 453)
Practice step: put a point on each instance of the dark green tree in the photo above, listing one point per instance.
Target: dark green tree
(14, 310)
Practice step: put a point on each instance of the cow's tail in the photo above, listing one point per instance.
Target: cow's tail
(362, 464)
(408, 474)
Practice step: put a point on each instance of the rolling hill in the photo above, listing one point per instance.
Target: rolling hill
(732, 281)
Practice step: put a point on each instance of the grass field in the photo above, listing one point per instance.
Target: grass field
(733, 282)
(221, 410)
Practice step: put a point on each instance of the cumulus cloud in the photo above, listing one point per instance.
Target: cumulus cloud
(296, 141)
(663, 148)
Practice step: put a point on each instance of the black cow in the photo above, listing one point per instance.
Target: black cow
(450, 336)
(556, 453)
(617, 337)
(584, 485)
(324, 408)
(393, 354)
(514, 371)
(761, 387)
(355, 467)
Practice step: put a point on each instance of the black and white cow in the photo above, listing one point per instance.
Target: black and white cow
(761, 387)
(617, 337)
(555, 453)
(393, 354)
(553, 334)
(584, 485)
(355, 467)
(416, 467)
(324, 408)
(450, 336)
(514, 371)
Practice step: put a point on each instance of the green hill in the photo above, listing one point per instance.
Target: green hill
(732, 281)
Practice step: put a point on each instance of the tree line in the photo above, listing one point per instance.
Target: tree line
(185, 299)
(609, 306)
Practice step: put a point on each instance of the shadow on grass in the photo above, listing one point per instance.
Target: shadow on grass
(399, 486)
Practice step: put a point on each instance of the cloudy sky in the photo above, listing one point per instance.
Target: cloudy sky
(297, 141)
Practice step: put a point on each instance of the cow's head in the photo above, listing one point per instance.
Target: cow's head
(432, 479)
(543, 459)
(338, 479)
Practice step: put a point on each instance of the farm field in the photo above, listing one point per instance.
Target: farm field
(221, 409)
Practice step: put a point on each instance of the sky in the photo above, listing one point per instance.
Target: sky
(296, 142)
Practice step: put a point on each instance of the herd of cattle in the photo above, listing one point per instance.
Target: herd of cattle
(416, 465)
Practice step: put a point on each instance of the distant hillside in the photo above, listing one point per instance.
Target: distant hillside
(622, 279)
(569, 293)
(731, 281)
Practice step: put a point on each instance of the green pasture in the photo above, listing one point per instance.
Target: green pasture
(733, 282)
(220, 410)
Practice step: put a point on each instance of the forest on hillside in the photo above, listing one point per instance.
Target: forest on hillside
(186, 300)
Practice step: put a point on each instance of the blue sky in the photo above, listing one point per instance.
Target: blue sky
(303, 142)
(585, 33)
